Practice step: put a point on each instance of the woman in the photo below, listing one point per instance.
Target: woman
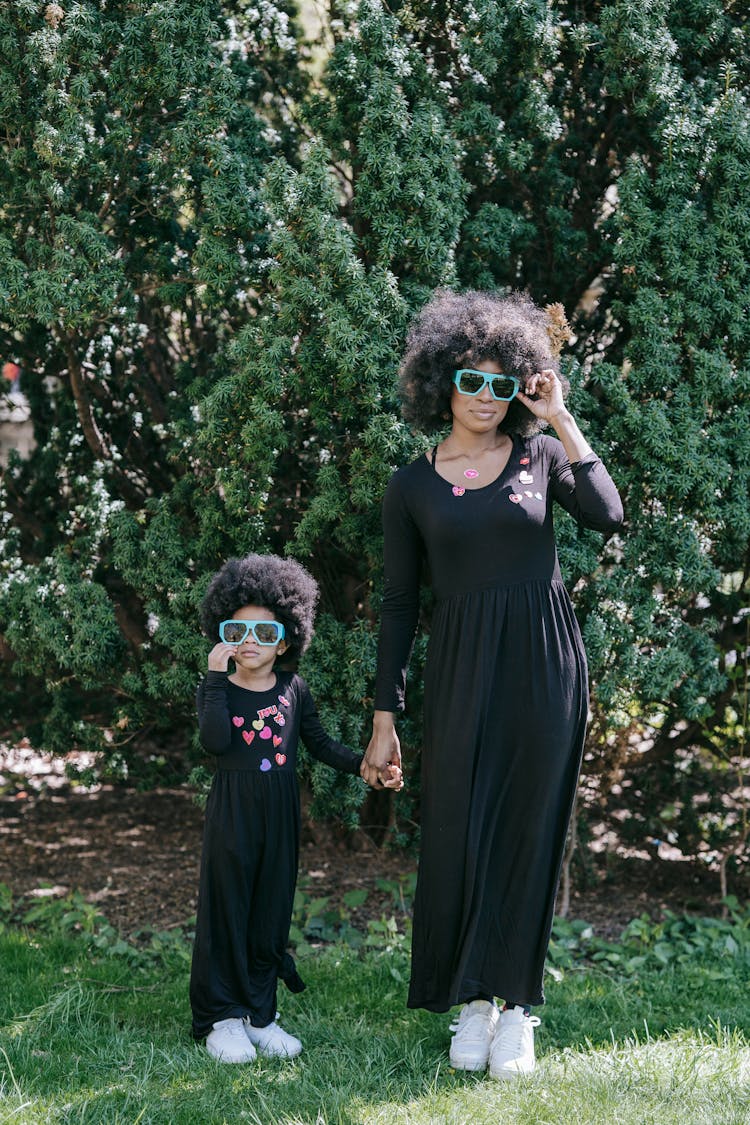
(506, 693)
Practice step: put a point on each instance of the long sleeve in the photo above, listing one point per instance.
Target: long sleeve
(586, 490)
(213, 713)
(402, 560)
(318, 742)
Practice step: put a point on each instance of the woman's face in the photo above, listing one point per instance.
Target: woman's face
(479, 413)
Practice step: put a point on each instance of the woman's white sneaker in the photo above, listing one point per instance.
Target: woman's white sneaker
(272, 1041)
(474, 1031)
(512, 1051)
(228, 1042)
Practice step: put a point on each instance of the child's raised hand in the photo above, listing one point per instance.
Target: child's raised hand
(219, 657)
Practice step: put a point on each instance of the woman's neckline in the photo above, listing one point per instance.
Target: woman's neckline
(465, 485)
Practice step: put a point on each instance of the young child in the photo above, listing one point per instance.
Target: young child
(260, 607)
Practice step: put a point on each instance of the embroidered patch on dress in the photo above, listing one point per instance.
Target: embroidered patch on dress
(283, 699)
(280, 759)
(237, 720)
(276, 740)
(279, 719)
(515, 498)
(457, 490)
(525, 460)
(525, 478)
(258, 724)
(266, 732)
(265, 765)
(248, 736)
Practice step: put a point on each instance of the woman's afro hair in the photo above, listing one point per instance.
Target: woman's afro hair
(456, 330)
(282, 586)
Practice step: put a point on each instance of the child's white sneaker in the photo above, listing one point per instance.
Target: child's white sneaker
(512, 1051)
(228, 1042)
(272, 1041)
(474, 1030)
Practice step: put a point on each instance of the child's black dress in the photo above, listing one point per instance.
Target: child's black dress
(505, 710)
(251, 844)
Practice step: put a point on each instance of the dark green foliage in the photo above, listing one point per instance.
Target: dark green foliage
(208, 260)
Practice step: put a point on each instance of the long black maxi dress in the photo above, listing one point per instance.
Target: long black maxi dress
(506, 703)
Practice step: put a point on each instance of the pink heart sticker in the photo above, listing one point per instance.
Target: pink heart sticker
(237, 720)
(265, 765)
(525, 460)
(515, 498)
(277, 740)
(248, 736)
(471, 474)
(284, 700)
(280, 759)
(457, 490)
(266, 732)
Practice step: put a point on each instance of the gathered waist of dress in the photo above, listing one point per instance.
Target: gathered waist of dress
(553, 583)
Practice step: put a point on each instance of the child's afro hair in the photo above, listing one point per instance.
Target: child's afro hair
(460, 329)
(282, 586)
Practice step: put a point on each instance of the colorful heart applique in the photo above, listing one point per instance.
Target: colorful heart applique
(457, 490)
(276, 740)
(266, 732)
(280, 720)
(265, 765)
(525, 478)
(280, 759)
(248, 736)
(529, 494)
(284, 701)
(525, 460)
(515, 498)
(237, 720)
(259, 724)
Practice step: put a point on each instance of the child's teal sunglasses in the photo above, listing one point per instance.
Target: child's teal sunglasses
(265, 632)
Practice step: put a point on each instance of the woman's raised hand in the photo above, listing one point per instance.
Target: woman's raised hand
(549, 397)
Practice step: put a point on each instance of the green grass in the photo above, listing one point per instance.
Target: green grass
(90, 1036)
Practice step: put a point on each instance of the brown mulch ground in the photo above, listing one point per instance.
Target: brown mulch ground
(136, 856)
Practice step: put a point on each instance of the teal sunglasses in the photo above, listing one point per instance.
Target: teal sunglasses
(502, 387)
(265, 632)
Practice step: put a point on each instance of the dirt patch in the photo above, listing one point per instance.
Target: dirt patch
(136, 856)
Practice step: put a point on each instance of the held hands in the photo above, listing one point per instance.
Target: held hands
(548, 403)
(219, 657)
(381, 765)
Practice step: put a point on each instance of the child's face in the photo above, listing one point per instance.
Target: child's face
(249, 654)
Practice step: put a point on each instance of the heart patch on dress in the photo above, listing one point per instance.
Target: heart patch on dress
(457, 490)
(525, 460)
(280, 759)
(525, 478)
(248, 736)
(258, 724)
(515, 498)
(277, 740)
(283, 699)
(265, 765)
(279, 719)
(237, 720)
(266, 732)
